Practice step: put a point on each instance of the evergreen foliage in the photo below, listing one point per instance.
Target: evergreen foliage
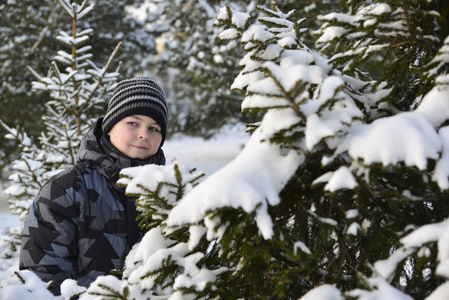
(155, 203)
(341, 190)
(158, 188)
(340, 217)
(203, 68)
(76, 92)
(28, 31)
(391, 41)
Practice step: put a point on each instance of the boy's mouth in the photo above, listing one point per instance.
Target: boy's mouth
(140, 147)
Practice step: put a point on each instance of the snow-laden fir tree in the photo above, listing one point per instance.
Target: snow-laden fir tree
(338, 193)
(202, 67)
(28, 31)
(245, 240)
(159, 188)
(341, 190)
(77, 89)
(18, 30)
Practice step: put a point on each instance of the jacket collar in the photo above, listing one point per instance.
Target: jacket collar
(109, 161)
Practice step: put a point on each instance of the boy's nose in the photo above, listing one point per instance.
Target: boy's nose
(143, 135)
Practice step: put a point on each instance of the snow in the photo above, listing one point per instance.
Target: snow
(325, 291)
(353, 229)
(302, 247)
(331, 33)
(443, 253)
(70, 287)
(416, 239)
(409, 137)
(249, 172)
(229, 34)
(440, 293)
(206, 155)
(35, 289)
(255, 32)
(377, 9)
(341, 179)
(76, 9)
(238, 18)
(382, 291)
(442, 167)
(352, 213)
(257, 176)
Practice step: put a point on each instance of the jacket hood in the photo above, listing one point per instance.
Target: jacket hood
(106, 158)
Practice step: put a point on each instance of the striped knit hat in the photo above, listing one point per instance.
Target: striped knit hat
(137, 96)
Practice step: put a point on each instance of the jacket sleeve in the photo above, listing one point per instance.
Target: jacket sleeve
(49, 243)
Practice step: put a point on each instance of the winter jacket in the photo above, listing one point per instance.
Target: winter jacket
(81, 225)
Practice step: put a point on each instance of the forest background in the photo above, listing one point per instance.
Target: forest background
(351, 97)
(166, 39)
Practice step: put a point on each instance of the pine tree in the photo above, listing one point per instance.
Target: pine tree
(28, 31)
(341, 190)
(202, 68)
(338, 191)
(253, 244)
(76, 93)
(399, 45)
(392, 44)
(159, 188)
(23, 44)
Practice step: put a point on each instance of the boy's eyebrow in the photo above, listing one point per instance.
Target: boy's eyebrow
(140, 119)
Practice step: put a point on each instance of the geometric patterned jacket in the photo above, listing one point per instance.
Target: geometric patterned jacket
(81, 225)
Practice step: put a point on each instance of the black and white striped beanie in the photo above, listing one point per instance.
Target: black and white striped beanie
(137, 96)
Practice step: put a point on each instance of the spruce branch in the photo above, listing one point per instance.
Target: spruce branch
(32, 172)
(69, 142)
(70, 106)
(101, 77)
(110, 293)
(286, 93)
(22, 280)
(407, 21)
(74, 68)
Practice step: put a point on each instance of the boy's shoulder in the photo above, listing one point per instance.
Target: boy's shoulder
(75, 175)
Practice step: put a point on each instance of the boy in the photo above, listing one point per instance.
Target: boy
(81, 225)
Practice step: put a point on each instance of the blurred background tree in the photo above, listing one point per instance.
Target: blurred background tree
(77, 88)
(370, 180)
(27, 33)
(199, 68)
(173, 40)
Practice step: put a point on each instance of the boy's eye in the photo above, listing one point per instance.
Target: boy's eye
(154, 129)
(132, 123)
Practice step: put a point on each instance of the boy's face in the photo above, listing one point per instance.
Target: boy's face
(136, 136)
